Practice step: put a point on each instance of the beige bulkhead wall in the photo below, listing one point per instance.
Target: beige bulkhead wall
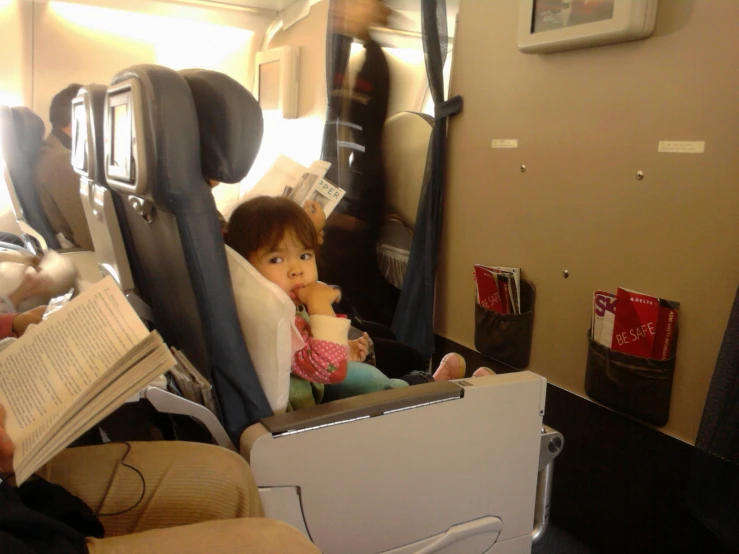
(88, 41)
(15, 45)
(309, 34)
(587, 121)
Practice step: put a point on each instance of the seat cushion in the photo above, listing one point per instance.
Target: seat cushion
(406, 140)
(267, 318)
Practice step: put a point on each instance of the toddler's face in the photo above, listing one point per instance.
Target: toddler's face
(290, 266)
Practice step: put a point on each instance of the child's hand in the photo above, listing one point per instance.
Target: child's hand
(318, 297)
(317, 216)
(359, 348)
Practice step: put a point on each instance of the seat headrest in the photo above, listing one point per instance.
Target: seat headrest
(23, 131)
(231, 124)
(166, 153)
(406, 143)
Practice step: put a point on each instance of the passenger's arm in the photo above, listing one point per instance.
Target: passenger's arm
(6, 325)
(24, 320)
(6, 445)
(33, 283)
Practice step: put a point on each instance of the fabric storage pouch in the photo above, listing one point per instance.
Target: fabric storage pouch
(506, 338)
(640, 387)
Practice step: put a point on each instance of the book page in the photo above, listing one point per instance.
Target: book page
(44, 372)
(152, 359)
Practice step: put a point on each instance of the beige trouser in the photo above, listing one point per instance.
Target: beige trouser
(193, 498)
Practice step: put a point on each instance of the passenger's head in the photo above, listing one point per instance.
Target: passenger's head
(354, 17)
(278, 238)
(60, 111)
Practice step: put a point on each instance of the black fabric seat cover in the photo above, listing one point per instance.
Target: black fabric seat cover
(178, 259)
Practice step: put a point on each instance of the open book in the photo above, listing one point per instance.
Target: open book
(292, 180)
(74, 369)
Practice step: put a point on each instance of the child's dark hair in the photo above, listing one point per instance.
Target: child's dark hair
(263, 222)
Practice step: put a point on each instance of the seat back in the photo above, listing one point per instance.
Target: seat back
(100, 205)
(152, 161)
(22, 133)
(406, 148)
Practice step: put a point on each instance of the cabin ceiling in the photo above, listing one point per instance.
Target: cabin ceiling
(277, 5)
(405, 5)
(407, 16)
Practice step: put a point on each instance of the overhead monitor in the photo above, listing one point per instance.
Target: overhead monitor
(554, 25)
(80, 154)
(277, 77)
(119, 143)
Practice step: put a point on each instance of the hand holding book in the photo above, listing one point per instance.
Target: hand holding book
(72, 370)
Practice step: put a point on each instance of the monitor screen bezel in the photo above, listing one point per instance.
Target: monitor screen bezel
(632, 19)
(137, 182)
(289, 60)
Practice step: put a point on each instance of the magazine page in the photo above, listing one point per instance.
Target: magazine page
(300, 191)
(283, 175)
(603, 304)
(326, 194)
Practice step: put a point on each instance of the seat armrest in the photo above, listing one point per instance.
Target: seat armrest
(361, 407)
(349, 409)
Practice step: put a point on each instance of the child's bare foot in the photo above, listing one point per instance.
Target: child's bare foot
(452, 366)
(483, 372)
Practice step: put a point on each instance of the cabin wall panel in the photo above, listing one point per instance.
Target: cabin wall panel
(587, 121)
(15, 78)
(85, 43)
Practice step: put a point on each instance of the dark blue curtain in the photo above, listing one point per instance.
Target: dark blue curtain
(414, 317)
(713, 487)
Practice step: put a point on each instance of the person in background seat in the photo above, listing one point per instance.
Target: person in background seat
(57, 185)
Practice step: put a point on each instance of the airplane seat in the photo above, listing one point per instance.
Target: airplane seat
(448, 467)
(229, 142)
(173, 239)
(21, 136)
(406, 150)
(100, 205)
(101, 210)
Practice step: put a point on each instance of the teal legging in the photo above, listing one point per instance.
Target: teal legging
(360, 379)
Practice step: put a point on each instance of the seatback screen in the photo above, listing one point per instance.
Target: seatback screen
(79, 137)
(121, 136)
(557, 14)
